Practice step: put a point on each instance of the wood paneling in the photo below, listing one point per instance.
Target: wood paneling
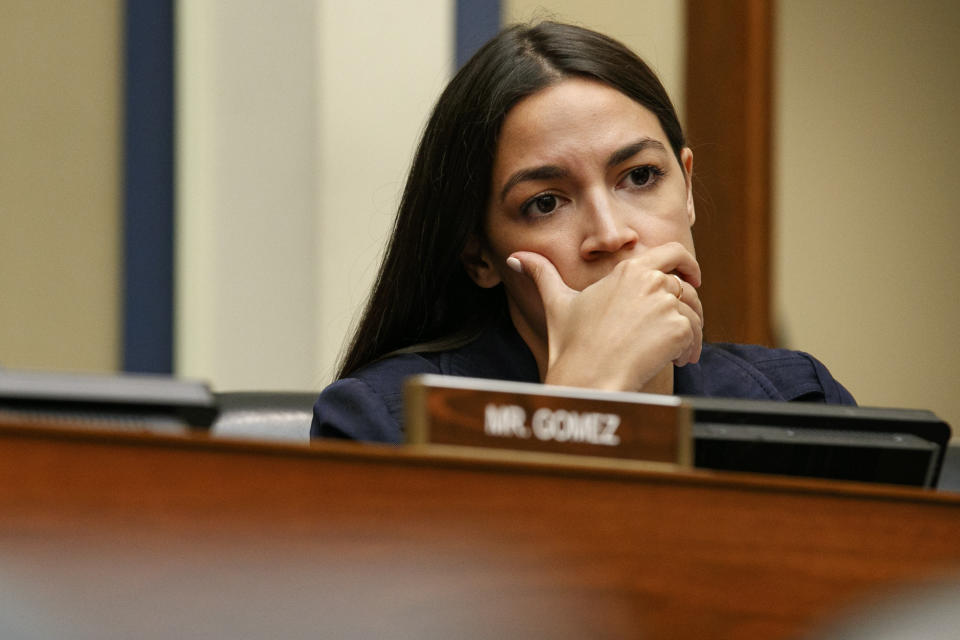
(113, 536)
(728, 113)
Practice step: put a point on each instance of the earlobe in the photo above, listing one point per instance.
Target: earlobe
(478, 263)
(687, 157)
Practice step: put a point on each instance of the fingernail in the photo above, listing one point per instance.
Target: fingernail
(514, 264)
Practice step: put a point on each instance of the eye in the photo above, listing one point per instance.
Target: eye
(645, 176)
(541, 205)
(640, 176)
(545, 204)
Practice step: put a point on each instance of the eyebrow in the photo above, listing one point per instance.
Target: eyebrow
(633, 149)
(551, 172)
(547, 172)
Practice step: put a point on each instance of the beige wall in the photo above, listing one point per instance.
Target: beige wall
(382, 67)
(867, 225)
(59, 184)
(246, 205)
(297, 122)
(653, 28)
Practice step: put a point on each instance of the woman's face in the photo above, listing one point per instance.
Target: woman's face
(586, 177)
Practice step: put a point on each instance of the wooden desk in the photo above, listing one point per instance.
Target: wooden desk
(127, 535)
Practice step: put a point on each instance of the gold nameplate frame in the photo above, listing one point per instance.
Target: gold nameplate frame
(451, 410)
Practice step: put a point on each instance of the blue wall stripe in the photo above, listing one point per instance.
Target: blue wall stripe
(148, 187)
(477, 22)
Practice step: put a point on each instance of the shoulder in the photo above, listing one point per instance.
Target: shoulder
(369, 404)
(752, 371)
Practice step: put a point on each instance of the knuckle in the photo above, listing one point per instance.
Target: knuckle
(675, 247)
(680, 328)
(654, 281)
(668, 299)
(627, 267)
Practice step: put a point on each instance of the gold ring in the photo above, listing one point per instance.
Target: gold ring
(680, 282)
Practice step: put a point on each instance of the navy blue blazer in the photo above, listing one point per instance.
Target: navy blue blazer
(369, 404)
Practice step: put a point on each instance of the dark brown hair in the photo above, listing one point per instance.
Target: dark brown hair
(423, 298)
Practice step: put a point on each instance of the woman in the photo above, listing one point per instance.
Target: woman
(544, 235)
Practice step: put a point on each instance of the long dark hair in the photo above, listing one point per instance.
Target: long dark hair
(423, 298)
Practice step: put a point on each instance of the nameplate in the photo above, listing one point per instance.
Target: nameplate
(475, 412)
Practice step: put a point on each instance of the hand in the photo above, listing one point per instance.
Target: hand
(623, 329)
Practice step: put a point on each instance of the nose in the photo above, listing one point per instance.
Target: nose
(607, 230)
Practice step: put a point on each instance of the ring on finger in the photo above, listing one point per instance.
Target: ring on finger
(679, 282)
